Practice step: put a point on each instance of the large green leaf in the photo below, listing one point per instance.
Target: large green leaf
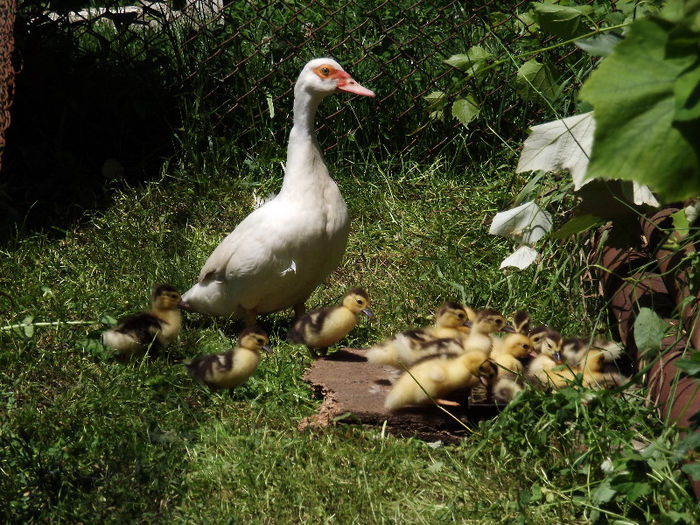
(537, 81)
(632, 93)
(564, 21)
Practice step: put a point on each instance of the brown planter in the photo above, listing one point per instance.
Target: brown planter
(654, 278)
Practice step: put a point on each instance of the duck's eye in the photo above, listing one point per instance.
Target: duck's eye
(460, 315)
(360, 301)
(324, 71)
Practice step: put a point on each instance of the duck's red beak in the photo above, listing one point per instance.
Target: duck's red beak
(347, 83)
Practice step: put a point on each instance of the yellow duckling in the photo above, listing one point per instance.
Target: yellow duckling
(159, 326)
(322, 328)
(487, 322)
(540, 368)
(412, 345)
(507, 360)
(232, 368)
(439, 377)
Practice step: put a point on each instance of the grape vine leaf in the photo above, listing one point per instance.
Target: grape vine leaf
(564, 21)
(633, 95)
(471, 62)
(649, 330)
(520, 258)
(465, 109)
(563, 144)
(600, 45)
(527, 223)
(537, 81)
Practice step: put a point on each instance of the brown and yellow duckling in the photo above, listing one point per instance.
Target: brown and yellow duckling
(158, 327)
(232, 368)
(322, 328)
(410, 346)
(439, 377)
(487, 323)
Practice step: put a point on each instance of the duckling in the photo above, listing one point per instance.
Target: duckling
(439, 377)
(507, 360)
(159, 326)
(550, 357)
(537, 337)
(521, 322)
(322, 328)
(487, 322)
(575, 349)
(411, 345)
(232, 368)
(521, 325)
(508, 354)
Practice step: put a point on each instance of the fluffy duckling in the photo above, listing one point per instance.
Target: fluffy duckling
(412, 345)
(507, 359)
(537, 337)
(549, 358)
(576, 349)
(592, 369)
(439, 377)
(521, 322)
(322, 328)
(487, 322)
(232, 368)
(158, 326)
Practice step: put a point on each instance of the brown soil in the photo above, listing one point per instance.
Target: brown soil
(354, 391)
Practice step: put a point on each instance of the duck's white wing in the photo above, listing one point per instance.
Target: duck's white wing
(243, 246)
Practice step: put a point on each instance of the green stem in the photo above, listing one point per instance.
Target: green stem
(45, 323)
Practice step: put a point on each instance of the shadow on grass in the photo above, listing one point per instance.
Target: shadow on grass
(88, 114)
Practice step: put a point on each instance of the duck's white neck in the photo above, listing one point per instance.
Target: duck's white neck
(305, 165)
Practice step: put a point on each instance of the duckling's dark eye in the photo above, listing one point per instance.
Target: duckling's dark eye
(360, 301)
(460, 315)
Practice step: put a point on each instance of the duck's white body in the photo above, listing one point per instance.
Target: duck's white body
(279, 253)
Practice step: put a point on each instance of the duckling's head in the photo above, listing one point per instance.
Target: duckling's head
(521, 322)
(357, 300)
(254, 338)
(489, 321)
(451, 315)
(165, 297)
(537, 337)
(323, 76)
(551, 346)
(517, 345)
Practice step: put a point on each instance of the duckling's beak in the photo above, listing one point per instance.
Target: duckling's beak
(468, 323)
(509, 329)
(267, 348)
(557, 357)
(368, 313)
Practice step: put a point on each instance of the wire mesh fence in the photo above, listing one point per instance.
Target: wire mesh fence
(113, 80)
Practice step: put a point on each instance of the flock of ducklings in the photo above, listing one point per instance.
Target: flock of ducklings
(458, 352)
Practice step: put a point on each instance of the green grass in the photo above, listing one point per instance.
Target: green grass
(86, 438)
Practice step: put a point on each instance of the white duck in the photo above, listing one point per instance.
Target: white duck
(279, 253)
